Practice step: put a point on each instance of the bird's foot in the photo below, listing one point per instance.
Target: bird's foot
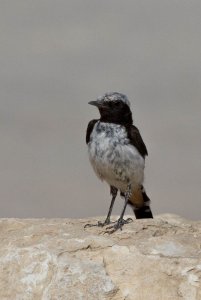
(99, 224)
(119, 224)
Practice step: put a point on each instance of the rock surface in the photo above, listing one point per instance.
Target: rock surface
(52, 259)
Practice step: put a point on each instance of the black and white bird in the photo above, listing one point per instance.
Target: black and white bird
(117, 154)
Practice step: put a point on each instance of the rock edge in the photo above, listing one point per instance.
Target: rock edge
(53, 259)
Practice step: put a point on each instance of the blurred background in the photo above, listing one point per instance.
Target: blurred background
(55, 56)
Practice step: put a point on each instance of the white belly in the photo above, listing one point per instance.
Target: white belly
(113, 158)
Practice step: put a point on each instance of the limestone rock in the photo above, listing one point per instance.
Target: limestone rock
(52, 259)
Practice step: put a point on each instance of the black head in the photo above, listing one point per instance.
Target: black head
(114, 108)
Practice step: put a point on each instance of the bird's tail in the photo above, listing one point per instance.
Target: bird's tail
(142, 211)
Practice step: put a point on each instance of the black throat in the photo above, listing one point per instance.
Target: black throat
(121, 116)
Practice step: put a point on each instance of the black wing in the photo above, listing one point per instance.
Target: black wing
(136, 140)
(89, 129)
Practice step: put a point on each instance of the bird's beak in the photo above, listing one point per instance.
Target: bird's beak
(96, 103)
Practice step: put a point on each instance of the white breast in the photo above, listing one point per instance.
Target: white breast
(113, 158)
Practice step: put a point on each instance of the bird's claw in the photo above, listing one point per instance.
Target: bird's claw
(99, 224)
(119, 224)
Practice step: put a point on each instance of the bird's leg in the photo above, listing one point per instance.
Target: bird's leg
(120, 222)
(113, 192)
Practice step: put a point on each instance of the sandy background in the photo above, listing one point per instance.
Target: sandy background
(55, 56)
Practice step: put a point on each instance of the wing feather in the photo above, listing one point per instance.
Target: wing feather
(89, 129)
(136, 140)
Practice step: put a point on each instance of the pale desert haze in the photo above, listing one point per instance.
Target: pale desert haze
(55, 57)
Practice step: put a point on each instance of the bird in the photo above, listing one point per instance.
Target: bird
(117, 154)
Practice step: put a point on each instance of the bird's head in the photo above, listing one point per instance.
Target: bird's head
(114, 108)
